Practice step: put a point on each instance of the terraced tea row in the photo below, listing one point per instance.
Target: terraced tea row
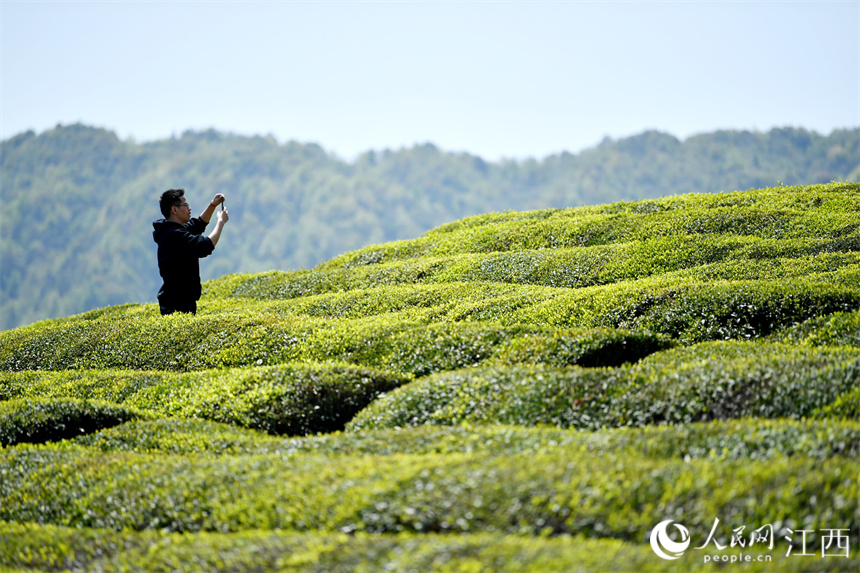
(394, 341)
(266, 333)
(51, 548)
(561, 491)
(744, 439)
(527, 383)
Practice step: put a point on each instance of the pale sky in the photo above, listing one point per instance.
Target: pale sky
(496, 79)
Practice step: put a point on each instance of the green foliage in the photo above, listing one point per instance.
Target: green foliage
(40, 420)
(667, 233)
(176, 342)
(561, 491)
(690, 312)
(425, 349)
(506, 395)
(293, 399)
(402, 338)
(831, 329)
(845, 406)
(744, 439)
(712, 381)
(184, 436)
(736, 379)
(52, 548)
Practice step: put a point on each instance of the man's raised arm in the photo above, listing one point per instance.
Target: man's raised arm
(223, 217)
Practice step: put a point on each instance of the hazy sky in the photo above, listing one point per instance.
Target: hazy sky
(497, 79)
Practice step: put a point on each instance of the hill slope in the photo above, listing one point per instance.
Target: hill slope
(523, 391)
(78, 203)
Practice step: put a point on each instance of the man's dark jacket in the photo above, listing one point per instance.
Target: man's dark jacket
(180, 248)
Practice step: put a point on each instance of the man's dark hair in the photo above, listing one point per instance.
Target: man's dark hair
(170, 198)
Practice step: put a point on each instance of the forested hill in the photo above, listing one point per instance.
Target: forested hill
(78, 202)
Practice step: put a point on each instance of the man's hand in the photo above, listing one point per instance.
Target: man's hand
(210, 208)
(223, 217)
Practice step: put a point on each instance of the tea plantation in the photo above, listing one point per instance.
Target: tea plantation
(520, 391)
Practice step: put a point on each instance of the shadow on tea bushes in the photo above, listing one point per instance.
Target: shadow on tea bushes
(587, 347)
(294, 399)
(290, 399)
(44, 420)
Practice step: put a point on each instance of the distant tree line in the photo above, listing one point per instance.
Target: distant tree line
(78, 202)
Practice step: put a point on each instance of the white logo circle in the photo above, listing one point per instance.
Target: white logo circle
(660, 540)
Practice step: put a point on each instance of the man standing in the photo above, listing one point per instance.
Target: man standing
(181, 245)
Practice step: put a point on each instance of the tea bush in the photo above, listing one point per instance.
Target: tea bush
(753, 439)
(288, 399)
(417, 337)
(845, 406)
(177, 342)
(832, 330)
(709, 381)
(602, 264)
(821, 268)
(691, 312)
(595, 245)
(41, 420)
(507, 395)
(562, 491)
(372, 301)
(115, 386)
(616, 497)
(53, 548)
(748, 438)
(277, 285)
(702, 257)
(425, 349)
(283, 399)
(184, 436)
(723, 380)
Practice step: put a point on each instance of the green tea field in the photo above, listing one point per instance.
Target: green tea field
(662, 385)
